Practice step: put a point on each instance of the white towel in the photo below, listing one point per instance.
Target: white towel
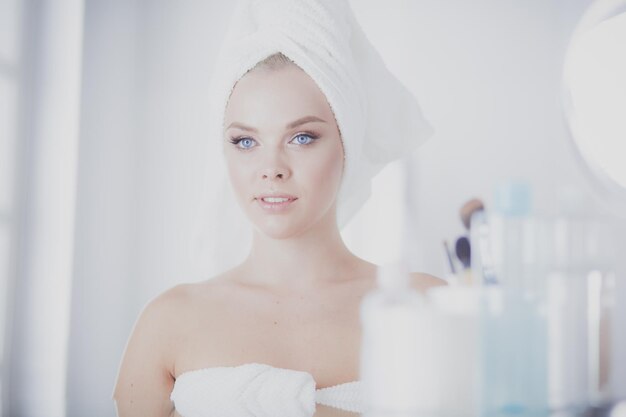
(379, 119)
(258, 390)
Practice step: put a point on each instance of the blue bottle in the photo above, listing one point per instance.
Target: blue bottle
(514, 377)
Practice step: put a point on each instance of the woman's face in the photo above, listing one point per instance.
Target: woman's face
(283, 151)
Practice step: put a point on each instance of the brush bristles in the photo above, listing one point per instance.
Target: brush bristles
(468, 209)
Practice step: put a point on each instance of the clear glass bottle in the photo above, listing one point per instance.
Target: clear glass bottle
(393, 320)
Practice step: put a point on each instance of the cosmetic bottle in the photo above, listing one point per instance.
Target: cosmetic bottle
(481, 259)
(513, 322)
(581, 304)
(455, 310)
(393, 369)
(568, 354)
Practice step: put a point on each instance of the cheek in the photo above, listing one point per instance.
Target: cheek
(325, 175)
(238, 175)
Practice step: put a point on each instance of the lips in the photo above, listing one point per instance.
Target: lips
(275, 202)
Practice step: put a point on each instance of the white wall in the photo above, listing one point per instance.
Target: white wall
(486, 73)
(104, 290)
(177, 43)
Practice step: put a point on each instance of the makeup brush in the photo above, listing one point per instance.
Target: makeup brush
(473, 214)
(464, 253)
(468, 209)
(449, 256)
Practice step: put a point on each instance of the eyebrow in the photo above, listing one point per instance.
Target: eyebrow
(295, 123)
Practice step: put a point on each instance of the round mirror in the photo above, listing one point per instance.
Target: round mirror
(594, 82)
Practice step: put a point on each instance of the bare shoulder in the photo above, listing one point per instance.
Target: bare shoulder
(177, 296)
(165, 310)
(145, 378)
(174, 306)
(422, 282)
(157, 320)
(146, 374)
(168, 299)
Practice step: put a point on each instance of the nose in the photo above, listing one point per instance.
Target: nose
(273, 165)
(274, 173)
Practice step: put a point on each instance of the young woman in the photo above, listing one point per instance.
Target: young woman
(293, 304)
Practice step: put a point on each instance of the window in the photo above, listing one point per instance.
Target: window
(10, 30)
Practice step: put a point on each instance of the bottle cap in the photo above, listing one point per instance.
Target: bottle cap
(513, 198)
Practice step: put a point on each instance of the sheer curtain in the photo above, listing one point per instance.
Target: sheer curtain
(10, 56)
(48, 130)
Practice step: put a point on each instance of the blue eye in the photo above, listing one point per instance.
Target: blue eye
(303, 139)
(246, 143)
(243, 143)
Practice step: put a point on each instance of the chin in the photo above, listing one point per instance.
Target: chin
(280, 228)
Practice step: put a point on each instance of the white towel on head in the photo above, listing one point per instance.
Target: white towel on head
(378, 118)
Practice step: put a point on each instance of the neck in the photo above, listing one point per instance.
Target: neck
(312, 260)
